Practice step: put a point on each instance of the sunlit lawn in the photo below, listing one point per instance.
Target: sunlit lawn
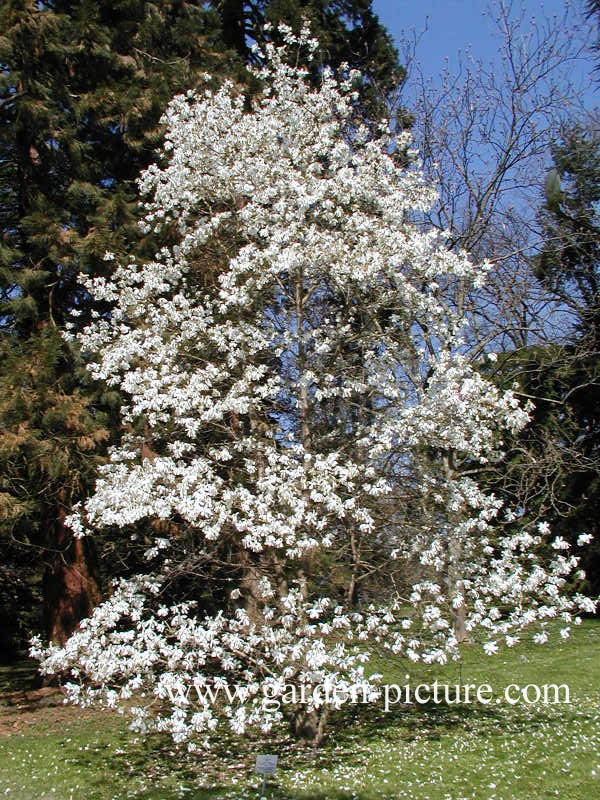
(422, 752)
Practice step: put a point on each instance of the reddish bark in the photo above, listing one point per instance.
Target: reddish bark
(71, 586)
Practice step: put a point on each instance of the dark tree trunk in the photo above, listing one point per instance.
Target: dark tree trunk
(309, 726)
(233, 23)
(71, 585)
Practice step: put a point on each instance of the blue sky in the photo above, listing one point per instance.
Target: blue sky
(455, 24)
(452, 24)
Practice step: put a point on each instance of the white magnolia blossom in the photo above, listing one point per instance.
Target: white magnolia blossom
(314, 389)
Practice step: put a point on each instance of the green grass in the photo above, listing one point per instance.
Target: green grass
(431, 752)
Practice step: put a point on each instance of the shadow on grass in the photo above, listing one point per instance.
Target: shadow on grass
(433, 720)
(152, 769)
(19, 676)
(354, 734)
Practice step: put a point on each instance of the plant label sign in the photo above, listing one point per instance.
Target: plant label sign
(266, 765)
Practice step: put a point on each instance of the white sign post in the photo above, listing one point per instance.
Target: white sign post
(265, 765)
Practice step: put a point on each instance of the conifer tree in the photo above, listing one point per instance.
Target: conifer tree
(348, 31)
(553, 471)
(82, 89)
(569, 268)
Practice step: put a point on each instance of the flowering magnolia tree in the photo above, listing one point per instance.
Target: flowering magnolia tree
(309, 426)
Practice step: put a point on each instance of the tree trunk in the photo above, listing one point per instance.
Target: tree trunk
(455, 556)
(71, 586)
(233, 24)
(309, 726)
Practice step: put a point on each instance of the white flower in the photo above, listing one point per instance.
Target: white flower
(544, 528)
(560, 544)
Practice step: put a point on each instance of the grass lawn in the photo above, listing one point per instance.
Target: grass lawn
(421, 752)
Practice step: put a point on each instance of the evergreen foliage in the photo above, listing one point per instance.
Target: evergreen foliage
(554, 471)
(348, 32)
(82, 89)
(569, 267)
